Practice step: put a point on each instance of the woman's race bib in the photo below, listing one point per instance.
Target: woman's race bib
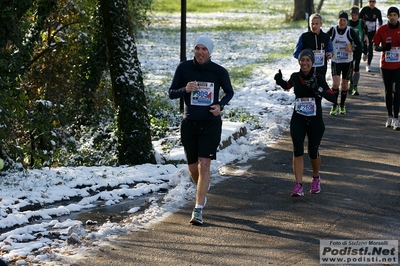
(305, 106)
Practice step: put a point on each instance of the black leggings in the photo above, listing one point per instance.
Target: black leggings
(369, 48)
(357, 60)
(392, 99)
(313, 127)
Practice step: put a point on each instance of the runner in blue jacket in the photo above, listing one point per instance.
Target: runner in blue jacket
(318, 41)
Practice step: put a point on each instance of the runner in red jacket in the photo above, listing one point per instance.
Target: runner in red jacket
(387, 41)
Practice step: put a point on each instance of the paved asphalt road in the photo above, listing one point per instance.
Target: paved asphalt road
(250, 219)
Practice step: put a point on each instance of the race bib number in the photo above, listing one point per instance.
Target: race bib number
(204, 95)
(371, 25)
(393, 56)
(305, 106)
(342, 54)
(319, 58)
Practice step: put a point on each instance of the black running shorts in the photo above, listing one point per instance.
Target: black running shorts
(200, 138)
(344, 69)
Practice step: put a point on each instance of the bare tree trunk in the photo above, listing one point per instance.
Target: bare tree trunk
(303, 9)
(319, 7)
(134, 145)
(356, 2)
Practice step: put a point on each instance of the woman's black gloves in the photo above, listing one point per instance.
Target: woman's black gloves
(279, 80)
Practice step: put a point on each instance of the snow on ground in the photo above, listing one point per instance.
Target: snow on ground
(35, 235)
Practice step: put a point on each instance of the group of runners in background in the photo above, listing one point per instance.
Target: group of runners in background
(198, 82)
(345, 45)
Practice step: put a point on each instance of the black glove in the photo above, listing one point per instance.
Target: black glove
(384, 48)
(279, 80)
(387, 46)
(278, 76)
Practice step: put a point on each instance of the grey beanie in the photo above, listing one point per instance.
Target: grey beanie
(206, 41)
(307, 52)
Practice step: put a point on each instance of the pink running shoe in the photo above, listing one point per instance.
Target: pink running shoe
(298, 191)
(316, 185)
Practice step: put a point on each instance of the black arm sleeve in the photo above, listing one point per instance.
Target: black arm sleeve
(282, 83)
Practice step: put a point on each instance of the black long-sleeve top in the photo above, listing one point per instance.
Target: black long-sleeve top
(370, 15)
(210, 73)
(302, 89)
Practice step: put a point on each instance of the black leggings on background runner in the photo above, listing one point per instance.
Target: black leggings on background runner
(369, 48)
(392, 99)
